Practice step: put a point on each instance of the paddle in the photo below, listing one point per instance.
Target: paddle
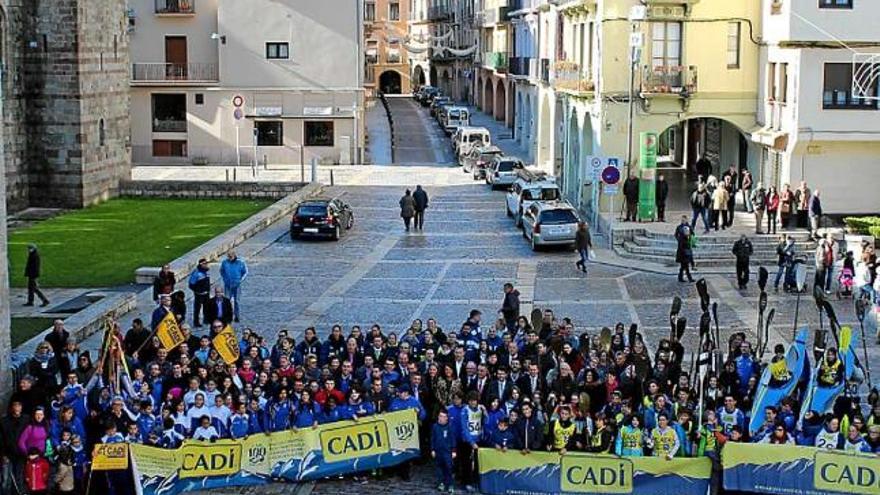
(862, 305)
(705, 322)
(762, 306)
(703, 291)
(763, 276)
(537, 318)
(719, 354)
(633, 334)
(800, 280)
(674, 311)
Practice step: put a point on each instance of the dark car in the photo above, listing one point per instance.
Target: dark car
(321, 218)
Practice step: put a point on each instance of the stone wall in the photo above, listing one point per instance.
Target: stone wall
(66, 87)
(191, 189)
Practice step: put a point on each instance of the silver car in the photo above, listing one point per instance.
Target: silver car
(479, 159)
(503, 171)
(551, 223)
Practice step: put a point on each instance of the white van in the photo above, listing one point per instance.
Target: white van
(469, 137)
(529, 188)
(455, 117)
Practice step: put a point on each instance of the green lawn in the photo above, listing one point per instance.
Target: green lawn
(25, 328)
(102, 245)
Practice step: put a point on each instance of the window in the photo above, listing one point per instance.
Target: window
(835, 4)
(733, 42)
(102, 133)
(394, 11)
(168, 147)
(666, 44)
(270, 133)
(771, 81)
(200, 98)
(370, 11)
(319, 133)
(782, 88)
(837, 94)
(277, 51)
(169, 112)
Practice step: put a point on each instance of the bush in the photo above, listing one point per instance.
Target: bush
(863, 225)
(874, 231)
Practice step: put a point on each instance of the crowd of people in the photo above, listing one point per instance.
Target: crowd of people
(507, 383)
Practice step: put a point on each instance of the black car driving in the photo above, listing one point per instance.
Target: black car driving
(321, 218)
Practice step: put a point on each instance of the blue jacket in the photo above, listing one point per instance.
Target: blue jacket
(238, 426)
(455, 419)
(279, 415)
(443, 439)
(233, 273)
(200, 282)
(305, 416)
(472, 424)
(257, 422)
(351, 411)
(502, 438)
(327, 415)
(746, 367)
(398, 404)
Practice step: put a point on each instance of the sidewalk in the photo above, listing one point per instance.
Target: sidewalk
(502, 136)
(378, 134)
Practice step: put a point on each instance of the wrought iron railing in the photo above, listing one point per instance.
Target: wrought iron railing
(194, 71)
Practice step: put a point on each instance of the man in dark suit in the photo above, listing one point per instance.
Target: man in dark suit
(459, 365)
(532, 382)
(500, 387)
(219, 308)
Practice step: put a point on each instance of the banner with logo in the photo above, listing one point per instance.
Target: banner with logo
(169, 332)
(226, 344)
(789, 470)
(511, 472)
(306, 454)
(110, 456)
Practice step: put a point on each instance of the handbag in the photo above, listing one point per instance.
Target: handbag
(591, 255)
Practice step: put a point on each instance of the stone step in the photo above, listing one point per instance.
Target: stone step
(709, 242)
(710, 262)
(699, 253)
(729, 238)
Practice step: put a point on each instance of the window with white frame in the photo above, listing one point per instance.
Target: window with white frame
(665, 44)
(394, 11)
(734, 30)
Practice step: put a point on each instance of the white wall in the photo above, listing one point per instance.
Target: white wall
(147, 39)
(794, 21)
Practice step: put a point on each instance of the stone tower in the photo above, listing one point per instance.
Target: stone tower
(67, 101)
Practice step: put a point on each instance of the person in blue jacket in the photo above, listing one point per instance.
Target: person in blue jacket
(502, 437)
(233, 271)
(473, 419)
(443, 450)
(729, 415)
(402, 402)
(330, 413)
(356, 407)
(306, 411)
(257, 421)
(280, 412)
(238, 423)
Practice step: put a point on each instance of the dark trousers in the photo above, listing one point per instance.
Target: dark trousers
(717, 218)
(684, 268)
(771, 222)
(406, 222)
(200, 307)
(661, 212)
(742, 272)
(444, 468)
(728, 214)
(802, 219)
(419, 221)
(632, 210)
(823, 277)
(467, 463)
(700, 213)
(34, 289)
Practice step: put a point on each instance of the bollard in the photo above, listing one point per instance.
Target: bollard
(332, 182)
(235, 175)
(314, 169)
(227, 175)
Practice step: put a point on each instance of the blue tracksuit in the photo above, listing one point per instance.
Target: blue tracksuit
(279, 415)
(238, 426)
(500, 438)
(398, 404)
(305, 416)
(443, 443)
(257, 422)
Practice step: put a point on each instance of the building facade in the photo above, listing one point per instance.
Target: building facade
(226, 82)
(66, 101)
(492, 87)
(816, 125)
(386, 24)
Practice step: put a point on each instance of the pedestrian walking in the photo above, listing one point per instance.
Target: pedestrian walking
(32, 273)
(510, 306)
(746, 183)
(772, 203)
(786, 206)
(660, 194)
(701, 201)
(802, 204)
(233, 271)
(719, 207)
(684, 254)
(743, 250)
(814, 210)
(421, 204)
(825, 255)
(200, 285)
(407, 208)
(757, 203)
(631, 194)
(164, 282)
(583, 242)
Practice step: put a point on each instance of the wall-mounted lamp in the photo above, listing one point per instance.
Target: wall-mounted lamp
(216, 36)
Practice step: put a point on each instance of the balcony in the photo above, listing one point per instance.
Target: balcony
(677, 80)
(169, 125)
(495, 60)
(439, 13)
(569, 76)
(519, 66)
(495, 15)
(175, 7)
(196, 72)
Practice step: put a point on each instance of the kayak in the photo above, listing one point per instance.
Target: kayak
(769, 394)
(821, 398)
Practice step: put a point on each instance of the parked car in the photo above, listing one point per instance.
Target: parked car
(527, 189)
(478, 160)
(550, 223)
(427, 94)
(322, 218)
(502, 172)
(436, 102)
(470, 137)
(455, 117)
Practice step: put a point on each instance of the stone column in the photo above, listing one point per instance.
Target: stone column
(5, 334)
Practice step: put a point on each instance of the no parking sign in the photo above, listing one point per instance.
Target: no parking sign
(611, 175)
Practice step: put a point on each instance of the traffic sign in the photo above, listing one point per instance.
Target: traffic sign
(238, 101)
(595, 166)
(238, 113)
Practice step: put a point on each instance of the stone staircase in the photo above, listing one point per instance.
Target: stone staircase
(713, 250)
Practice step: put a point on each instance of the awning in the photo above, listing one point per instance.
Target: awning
(773, 138)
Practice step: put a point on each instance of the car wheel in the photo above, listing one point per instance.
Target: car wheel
(350, 223)
(293, 236)
(337, 233)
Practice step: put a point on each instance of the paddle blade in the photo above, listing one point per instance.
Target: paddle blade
(703, 291)
(633, 333)
(705, 322)
(801, 276)
(537, 318)
(819, 296)
(680, 327)
(862, 305)
(605, 339)
(676, 307)
(762, 302)
(762, 278)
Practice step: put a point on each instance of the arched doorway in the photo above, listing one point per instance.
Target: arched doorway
(432, 80)
(544, 136)
(500, 102)
(488, 97)
(710, 141)
(418, 76)
(390, 82)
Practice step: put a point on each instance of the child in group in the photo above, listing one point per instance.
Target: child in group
(630, 438)
(847, 275)
(443, 451)
(206, 432)
(36, 473)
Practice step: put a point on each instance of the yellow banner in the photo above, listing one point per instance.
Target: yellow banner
(846, 473)
(226, 344)
(169, 332)
(110, 456)
(358, 440)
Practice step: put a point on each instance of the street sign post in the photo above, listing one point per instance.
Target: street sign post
(238, 114)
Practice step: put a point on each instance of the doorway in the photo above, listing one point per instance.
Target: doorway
(175, 57)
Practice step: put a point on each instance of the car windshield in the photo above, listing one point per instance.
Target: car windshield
(558, 217)
(312, 210)
(487, 155)
(475, 138)
(547, 194)
(507, 166)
